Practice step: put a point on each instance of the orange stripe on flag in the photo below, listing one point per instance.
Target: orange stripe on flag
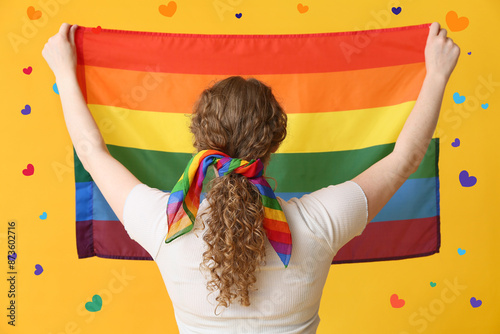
(298, 93)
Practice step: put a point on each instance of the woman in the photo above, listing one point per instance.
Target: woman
(237, 277)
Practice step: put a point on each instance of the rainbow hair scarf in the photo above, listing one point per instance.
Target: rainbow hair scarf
(184, 199)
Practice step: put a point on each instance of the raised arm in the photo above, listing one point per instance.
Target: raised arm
(383, 179)
(111, 177)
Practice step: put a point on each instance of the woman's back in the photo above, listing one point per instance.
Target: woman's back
(287, 299)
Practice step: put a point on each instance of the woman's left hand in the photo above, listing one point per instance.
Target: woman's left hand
(60, 51)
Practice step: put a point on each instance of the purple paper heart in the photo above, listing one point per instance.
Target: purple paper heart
(38, 269)
(469, 53)
(475, 302)
(238, 15)
(26, 110)
(456, 143)
(12, 257)
(466, 180)
(396, 10)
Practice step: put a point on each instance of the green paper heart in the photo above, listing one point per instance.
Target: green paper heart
(95, 305)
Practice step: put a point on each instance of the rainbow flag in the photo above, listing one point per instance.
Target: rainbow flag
(347, 96)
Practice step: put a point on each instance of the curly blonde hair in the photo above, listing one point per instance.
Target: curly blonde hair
(242, 118)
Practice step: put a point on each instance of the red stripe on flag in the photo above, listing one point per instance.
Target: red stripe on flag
(111, 240)
(264, 54)
(392, 240)
(418, 237)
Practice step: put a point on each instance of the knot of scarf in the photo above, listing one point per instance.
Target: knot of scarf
(184, 200)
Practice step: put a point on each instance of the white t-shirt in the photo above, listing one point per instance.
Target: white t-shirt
(287, 299)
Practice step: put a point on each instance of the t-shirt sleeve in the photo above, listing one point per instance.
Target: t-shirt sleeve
(144, 217)
(338, 213)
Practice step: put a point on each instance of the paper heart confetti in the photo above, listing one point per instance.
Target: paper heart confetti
(26, 110)
(238, 15)
(302, 9)
(43, 216)
(12, 257)
(456, 23)
(95, 305)
(29, 170)
(168, 10)
(456, 143)
(96, 30)
(34, 14)
(458, 98)
(395, 10)
(461, 251)
(396, 302)
(475, 302)
(38, 269)
(466, 180)
(27, 70)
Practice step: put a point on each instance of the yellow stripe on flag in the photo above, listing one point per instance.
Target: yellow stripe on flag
(333, 131)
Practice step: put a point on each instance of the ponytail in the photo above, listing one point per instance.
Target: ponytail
(235, 237)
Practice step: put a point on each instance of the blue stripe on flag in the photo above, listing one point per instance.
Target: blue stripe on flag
(83, 196)
(421, 192)
(101, 207)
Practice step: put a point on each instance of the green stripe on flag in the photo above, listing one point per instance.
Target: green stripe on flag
(294, 172)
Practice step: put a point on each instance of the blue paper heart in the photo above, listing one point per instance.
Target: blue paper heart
(485, 106)
(43, 216)
(469, 53)
(456, 143)
(433, 284)
(238, 15)
(12, 257)
(458, 99)
(26, 110)
(55, 89)
(475, 302)
(395, 10)
(461, 251)
(466, 180)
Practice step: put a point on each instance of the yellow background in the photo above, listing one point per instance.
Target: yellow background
(356, 296)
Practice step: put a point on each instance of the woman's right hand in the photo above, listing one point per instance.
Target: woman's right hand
(441, 53)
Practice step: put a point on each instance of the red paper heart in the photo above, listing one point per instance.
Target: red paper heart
(27, 70)
(29, 170)
(96, 30)
(396, 302)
